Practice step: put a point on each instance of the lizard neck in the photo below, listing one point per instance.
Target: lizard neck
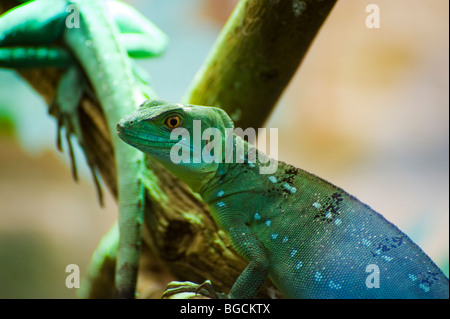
(241, 176)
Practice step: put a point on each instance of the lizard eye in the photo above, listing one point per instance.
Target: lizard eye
(173, 121)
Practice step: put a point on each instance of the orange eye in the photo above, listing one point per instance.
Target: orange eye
(173, 121)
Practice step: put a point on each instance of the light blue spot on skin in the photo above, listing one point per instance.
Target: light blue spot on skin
(252, 165)
(328, 215)
(274, 236)
(412, 277)
(293, 252)
(290, 188)
(268, 222)
(366, 242)
(338, 221)
(221, 172)
(332, 285)
(257, 216)
(221, 204)
(220, 193)
(424, 287)
(387, 258)
(316, 205)
(273, 179)
(299, 265)
(285, 239)
(318, 276)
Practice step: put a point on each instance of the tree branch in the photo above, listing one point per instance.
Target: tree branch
(256, 55)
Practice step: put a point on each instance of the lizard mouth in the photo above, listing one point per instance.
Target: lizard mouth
(133, 137)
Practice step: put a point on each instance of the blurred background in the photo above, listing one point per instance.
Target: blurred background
(368, 110)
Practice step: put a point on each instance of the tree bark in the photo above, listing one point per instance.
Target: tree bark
(256, 55)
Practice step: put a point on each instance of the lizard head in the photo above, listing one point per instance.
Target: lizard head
(179, 137)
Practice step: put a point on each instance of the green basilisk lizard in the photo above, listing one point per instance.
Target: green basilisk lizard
(310, 237)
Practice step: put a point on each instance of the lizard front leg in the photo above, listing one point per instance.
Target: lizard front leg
(249, 281)
(255, 274)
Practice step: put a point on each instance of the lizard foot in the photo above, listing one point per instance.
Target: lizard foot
(190, 290)
(64, 107)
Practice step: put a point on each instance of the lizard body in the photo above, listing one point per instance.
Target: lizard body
(310, 237)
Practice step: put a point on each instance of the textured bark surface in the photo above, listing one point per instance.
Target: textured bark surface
(256, 55)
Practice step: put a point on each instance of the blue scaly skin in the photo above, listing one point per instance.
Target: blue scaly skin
(98, 46)
(310, 237)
